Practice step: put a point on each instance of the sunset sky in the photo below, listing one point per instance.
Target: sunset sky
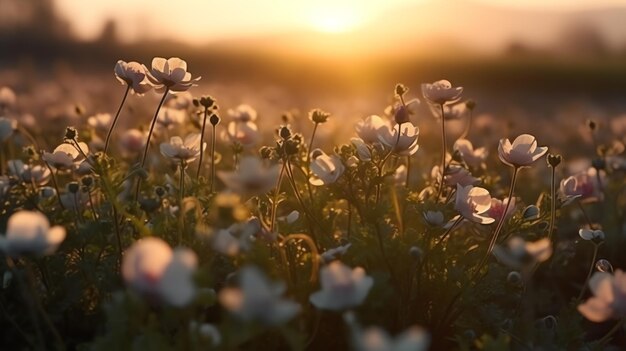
(207, 20)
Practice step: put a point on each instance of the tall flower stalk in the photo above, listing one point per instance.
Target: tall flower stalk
(207, 102)
(117, 115)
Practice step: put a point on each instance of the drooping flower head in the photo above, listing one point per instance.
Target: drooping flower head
(522, 153)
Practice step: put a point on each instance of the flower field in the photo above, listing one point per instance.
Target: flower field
(214, 227)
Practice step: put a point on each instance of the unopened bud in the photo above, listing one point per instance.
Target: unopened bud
(73, 187)
(603, 265)
(401, 89)
(554, 160)
(214, 119)
(318, 116)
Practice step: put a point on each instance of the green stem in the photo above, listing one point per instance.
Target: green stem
(552, 204)
(213, 159)
(496, 233)
(443, 151)
(202, 143)
(117, 115)
(147, 147)
(591, 266)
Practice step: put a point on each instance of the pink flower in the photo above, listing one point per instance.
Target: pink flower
(405, 144)
(474, 158)
(584, 186)
(522, 153)
(609, 300)
(473, 203)
(152, 269)
(498, 206)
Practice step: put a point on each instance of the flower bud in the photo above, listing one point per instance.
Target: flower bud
(531, 212)
(70, 133)
(87, 181)
(470, 104)
(73, 187)
(318, 116)
(207, 101)
(401, 114)
(160, 191)
(284, 132)
(401, 89)
(598, 163)
(214, 119)
(416, 252)
(591, 124)
(514, 278)
(554, 160)
(603, 265)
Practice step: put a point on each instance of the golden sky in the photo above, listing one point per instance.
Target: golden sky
(206, 20)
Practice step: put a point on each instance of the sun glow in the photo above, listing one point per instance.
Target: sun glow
(335, 19)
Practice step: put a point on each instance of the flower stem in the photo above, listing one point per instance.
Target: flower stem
(213, 133)
(202, 143)
(117, 115)
(53, 175)
(181, 212)
(591, 266)
(382, 164)
(443, 151)
(608, 335)
(147, 147)
(552, 203)
(496, 233)
(468, 125)
(275, 199)
(587, 219)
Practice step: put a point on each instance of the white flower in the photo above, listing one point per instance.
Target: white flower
(30, 233)
(497, 208)
(179, 150)
(252, 177)
(591, 234)
(245, 133)
(450, 112)
(132, 142)
(455, 175)
(473, 203)
(584, 186)
(441, 92)
(152, 269)
(377, 339)
(37, 175)
(7, 127)
(434, 218)
(404, 145)
(171, 74)
(169, 117)
(180, 101)
(134, 75)
(522, 152)
(236, 238)
(609, 300)
(7, 98)
(65, 156)
(342, 287)
(326, 169)
(334, 253)
(257, 299)
(474, 158)
(519, 252)
(370, 128)
(243, 113)
(362, 149)
(100, 121)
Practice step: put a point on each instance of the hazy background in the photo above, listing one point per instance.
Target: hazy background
(531, 65)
